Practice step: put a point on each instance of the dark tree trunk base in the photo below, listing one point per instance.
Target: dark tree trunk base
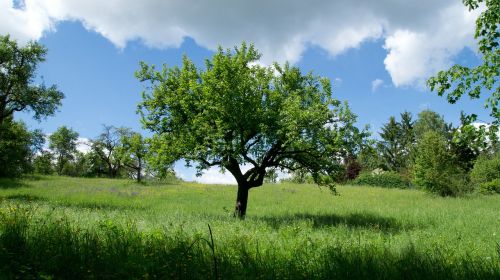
(241, 202)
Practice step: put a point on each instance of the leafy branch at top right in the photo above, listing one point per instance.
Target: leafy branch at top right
(482, 79)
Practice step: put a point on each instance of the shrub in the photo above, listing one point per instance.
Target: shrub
(352, 169)
(435, 169)
(42, 164)
(485, 170)
(15, 152)
(385, 180)
(490, 187)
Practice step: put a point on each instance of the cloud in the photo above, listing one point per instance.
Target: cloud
(83, 145)
(420, 37)
(376, 84)
(214, 176)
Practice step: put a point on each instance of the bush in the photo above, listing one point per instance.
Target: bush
(352, 169)
(15, 151)
(485, 170)
(435, 169)
(491, 187)
(385, 180)
(42, 164)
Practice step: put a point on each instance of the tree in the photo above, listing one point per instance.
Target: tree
(42, 163)
(15, 152)
(390, 147)
(17, 71)
(482, 79)
(435, 168)
(133, 152)
(407, 126)
(236, 113)
(106, 145)
(429, 120)
(63, 144)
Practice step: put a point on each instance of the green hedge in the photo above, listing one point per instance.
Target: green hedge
(385, 180)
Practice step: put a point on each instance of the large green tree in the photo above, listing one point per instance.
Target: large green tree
(235, 113)
(482, 79)
(63, 144)
(17, 72)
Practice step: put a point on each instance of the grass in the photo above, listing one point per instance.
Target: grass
(69, 228)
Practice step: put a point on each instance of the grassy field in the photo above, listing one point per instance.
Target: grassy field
(69, 228)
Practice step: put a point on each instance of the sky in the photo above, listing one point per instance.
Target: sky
(378, 54)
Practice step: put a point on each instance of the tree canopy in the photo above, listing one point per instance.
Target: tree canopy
(63, 142)
(235, 113)
(17, 71)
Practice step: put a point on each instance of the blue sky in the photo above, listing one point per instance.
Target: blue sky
(378, 64)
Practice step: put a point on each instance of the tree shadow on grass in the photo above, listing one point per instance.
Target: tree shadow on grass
(12, 183)
(24, 197)
(91, 205)
(366, 220)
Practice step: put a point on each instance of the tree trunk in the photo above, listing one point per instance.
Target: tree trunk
(139, 174)
(241, 202)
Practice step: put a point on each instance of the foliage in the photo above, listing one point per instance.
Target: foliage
(490, 187)
(398, 139)
(482, 79)
(429, 120)
(435, 168)
(76, 228)
(108, 146)
(42, 163)
(369, 157)
(133, 152)
(63, 145)
(15, 152)
(352, 169)
(17, 71)
(486, 169)
(235, 112)
(390, 147)
(388, 179)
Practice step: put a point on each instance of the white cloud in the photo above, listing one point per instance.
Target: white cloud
(83, 145)
(420, 37)
(214, 176)
(416, 54)
(376, 84)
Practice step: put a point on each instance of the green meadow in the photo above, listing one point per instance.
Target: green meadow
(76, 228)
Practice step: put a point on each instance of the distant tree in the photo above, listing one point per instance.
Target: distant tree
(429, 120)
(408, 141)
(235, 112)
(482, 79)
(42, 163)
(133, 151)
(17, 71)
(63, 144)
(391, 147)
(15, 152)
(106, 146)
(369, 157)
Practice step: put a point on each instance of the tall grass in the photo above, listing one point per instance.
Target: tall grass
(66, 228)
